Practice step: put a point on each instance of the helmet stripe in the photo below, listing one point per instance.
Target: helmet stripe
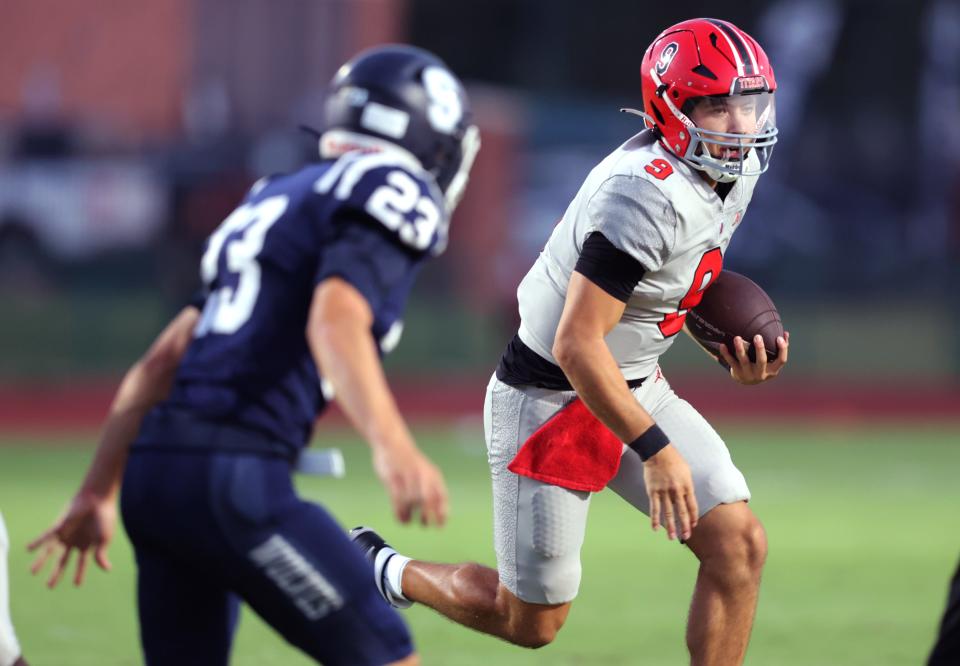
(738, 47)
(751, 48)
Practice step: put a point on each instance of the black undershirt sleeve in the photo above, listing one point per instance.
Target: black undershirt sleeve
(609, 267)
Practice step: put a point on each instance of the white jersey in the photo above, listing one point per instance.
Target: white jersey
(661, 212)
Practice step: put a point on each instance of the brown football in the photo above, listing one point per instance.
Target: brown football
(734, 305)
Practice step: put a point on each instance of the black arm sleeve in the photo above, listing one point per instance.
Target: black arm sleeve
(608, 267)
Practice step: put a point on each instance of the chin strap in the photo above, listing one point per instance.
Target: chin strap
(714, 173)
(720, 176)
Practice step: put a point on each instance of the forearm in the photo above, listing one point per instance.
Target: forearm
(594, 374)
(699, 344)
(145, 384)
(133, 400)
(106, 470)
(346, 354)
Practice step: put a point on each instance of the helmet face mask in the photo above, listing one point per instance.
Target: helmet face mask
(726, 155)
(469, 147)
(403, 98)
(708, 92)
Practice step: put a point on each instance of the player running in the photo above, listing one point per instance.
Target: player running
(635, 250)
(306, 279)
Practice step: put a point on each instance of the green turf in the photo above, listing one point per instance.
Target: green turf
(862, 527)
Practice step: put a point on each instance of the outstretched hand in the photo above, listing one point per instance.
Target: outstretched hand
(413, 483)
(87, 525)
(746, 372)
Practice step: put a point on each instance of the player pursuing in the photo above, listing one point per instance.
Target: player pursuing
(607, 296)
(9, 646)
(307, 278)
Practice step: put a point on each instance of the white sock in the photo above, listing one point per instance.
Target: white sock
(9, 647)
(394, 573)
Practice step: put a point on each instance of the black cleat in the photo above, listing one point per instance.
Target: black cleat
(378, 552)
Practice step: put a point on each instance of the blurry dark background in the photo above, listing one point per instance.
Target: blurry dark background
(128, 131)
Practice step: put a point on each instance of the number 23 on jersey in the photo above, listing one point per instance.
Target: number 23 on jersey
(240, 237)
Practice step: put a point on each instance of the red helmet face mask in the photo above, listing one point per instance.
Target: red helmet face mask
(708, 91)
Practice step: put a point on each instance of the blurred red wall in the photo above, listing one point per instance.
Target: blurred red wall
(122, 64)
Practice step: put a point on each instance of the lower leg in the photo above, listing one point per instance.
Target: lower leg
(731, 549)
(471, 594)
(721, 617)
(465, 593)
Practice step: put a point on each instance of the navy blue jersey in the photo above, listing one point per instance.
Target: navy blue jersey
(371, 219)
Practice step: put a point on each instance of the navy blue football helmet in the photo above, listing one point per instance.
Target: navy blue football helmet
(409, 98)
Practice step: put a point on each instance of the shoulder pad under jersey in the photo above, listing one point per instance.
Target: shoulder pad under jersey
(392, 190)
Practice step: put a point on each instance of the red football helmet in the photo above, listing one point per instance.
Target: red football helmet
(711, 63)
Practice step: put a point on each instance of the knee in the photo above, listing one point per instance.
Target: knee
(534, 626)
(749, 545)
(743, 547)
(756, 540)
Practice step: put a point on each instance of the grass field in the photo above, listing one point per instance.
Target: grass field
(863, 524)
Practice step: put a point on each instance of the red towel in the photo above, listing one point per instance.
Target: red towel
(573, 450)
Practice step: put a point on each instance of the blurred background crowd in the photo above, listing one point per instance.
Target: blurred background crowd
(128, 131)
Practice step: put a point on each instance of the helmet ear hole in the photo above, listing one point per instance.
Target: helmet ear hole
(656, 113)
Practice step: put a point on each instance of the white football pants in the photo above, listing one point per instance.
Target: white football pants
(539, 528)
(9, 647)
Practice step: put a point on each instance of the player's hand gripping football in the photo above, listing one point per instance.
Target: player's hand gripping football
(414, 483)
(87, 525)
(670, 490)
(746, 372)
